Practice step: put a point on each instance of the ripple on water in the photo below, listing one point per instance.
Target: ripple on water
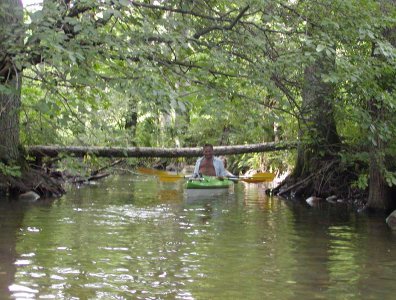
(126, 241)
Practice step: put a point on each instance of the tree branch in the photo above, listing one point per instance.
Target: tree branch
(234, 22)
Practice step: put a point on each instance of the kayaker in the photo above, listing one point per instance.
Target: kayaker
(209, 165)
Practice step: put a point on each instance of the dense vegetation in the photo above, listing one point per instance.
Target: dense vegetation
(177, 73)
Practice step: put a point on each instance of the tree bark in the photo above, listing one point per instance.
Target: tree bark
(11, 41)
(318, 124)
(380, 195)
(379, 198)
(132, 118)
(53, 151)
(10, 77)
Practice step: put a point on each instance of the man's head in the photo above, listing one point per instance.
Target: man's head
(208, 151)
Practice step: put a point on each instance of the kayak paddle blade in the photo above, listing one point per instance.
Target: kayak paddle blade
(170, 177)
(259, 177)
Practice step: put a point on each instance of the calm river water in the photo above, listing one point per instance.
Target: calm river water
(130, 237)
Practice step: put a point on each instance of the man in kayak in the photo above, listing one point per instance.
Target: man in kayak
(209, 165)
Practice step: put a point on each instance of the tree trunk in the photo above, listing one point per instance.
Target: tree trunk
(380, 196)
(132, 119)
(11, 40)
(318, 124)
(53, 151)
(379, 193)
(9, 122)
(10, 78)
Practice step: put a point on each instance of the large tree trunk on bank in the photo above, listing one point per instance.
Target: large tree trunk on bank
(319, 141)
(380, 195)
(318, 125)
(11, 39)
(10, 79)
(9, 121)
(379, 192)
(10, 95)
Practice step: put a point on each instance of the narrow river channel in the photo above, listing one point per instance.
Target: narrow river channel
(131, 237)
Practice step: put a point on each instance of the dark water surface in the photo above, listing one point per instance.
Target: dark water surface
(130, 237)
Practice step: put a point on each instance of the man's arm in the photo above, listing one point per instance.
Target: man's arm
(196, 168)
(219, 167)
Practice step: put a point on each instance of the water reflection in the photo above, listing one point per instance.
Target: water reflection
(11, 217)
(136, 238)
(12, 227)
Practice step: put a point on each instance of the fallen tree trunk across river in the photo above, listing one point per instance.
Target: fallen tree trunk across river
(81, 151)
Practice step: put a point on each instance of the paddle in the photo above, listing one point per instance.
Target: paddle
(148, 171)
(256, 178)
(163, 175)
(170, 177)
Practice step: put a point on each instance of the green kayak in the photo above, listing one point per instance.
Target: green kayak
(208, 182)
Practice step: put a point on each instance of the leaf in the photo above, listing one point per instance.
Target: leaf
(320, 48)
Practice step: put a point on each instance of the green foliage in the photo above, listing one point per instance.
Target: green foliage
(362, 182)
(196, 72)
(10, 170)
(390, 178)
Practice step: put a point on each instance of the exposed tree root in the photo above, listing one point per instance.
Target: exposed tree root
(47, 182)
(34, 180)
(297, 185)
(331, 179)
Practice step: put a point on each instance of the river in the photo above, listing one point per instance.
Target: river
(131, 237)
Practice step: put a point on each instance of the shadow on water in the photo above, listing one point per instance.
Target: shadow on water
(344, 251)
(11, 216)
(12, 213)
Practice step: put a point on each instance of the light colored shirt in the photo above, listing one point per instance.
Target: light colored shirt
(217, 164)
